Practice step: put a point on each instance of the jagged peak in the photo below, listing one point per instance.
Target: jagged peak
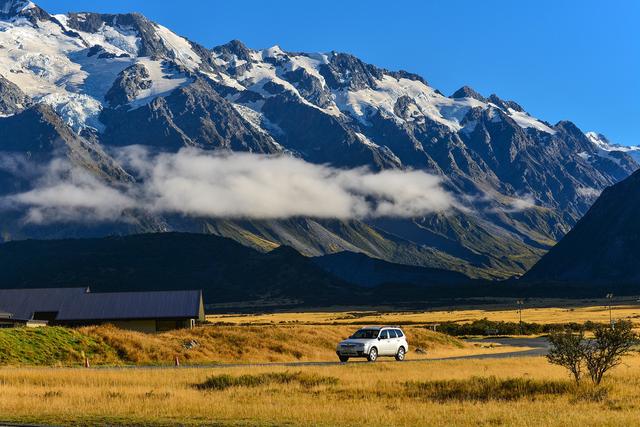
(273, 51)
(495, 99)
(403, 74)
(597, 137)
(234, 47)
(468, 92)
(91, 22)
(22, 8)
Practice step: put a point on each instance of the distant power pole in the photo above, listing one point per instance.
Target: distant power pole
(610, 298)
(520, 303)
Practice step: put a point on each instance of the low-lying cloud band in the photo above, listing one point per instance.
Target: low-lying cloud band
(199, 183)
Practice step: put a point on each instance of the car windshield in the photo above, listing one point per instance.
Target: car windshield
(365, 334)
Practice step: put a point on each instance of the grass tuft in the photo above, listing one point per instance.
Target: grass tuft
(483, 389)
(590, 393)
(224, 381)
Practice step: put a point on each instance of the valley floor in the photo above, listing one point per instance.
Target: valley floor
(211, 345)
(233, 373)
(542, 311)
(393, 394)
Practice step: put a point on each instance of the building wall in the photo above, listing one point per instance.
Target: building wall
(151, 325)
(135, 325)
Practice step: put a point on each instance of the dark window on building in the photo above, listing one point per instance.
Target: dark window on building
(49, 316)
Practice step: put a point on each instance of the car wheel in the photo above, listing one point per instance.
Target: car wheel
(343, 359)
(400, 354)
(373, 355)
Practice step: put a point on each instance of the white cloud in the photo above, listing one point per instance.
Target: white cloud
(65, 193)
(232, 185)
(493, 202)
(521, 203)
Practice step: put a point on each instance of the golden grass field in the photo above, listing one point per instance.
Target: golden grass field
(264, 344)
(364, 394)
(534, 311)
(259, 343)
(383, 393)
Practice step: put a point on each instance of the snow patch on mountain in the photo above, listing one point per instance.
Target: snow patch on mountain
(524, 120)
(261, 73)
(115, 40)
(180, 47)
(428, 103)
(164, 80)
(79, 111)
(605, 146)
(366, 141)
(259, 122)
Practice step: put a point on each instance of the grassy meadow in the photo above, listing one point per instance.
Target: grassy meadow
(514, 392)
(213, 344)
(534, 311)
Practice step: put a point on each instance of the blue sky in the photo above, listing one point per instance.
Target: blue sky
(571, 59)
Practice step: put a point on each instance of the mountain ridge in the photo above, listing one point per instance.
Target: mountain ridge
(603, 249)
(110, 80)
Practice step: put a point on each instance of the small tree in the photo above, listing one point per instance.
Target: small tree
(606, 350)
(567, 350)
(598, 355)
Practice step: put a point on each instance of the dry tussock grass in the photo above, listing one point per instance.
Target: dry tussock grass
(364, 394)
(270, 343)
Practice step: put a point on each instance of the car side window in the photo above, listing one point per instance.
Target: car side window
(392, 334)
(399, 333)
(384, 335)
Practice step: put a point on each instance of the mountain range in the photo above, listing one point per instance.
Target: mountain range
(81, 87)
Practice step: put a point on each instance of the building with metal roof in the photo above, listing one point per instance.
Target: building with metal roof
(144, 311)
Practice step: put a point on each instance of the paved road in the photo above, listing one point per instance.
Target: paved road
(538, 347)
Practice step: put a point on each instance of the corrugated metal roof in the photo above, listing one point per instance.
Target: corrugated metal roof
(133, 305)
(22, 303)
(77, 304)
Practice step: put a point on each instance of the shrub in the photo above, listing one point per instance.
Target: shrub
(485, 388)
(598, 355)
(567, 350)
(223, 382)
(607, 348)
(484, 326)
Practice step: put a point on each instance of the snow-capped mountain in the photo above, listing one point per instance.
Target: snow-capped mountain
(603, 143)
(83, 83)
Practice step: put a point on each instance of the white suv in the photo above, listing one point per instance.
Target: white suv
(372, 342)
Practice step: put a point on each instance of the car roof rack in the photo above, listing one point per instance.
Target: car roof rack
(381, 327)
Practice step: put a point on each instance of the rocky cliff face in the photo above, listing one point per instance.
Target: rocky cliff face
(90, 82)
